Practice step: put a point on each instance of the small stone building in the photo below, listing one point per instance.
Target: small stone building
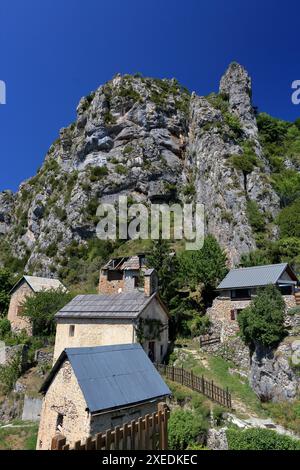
(91, 390)
(240, 286)
(122, 274)
(26, 286)
(128, 317)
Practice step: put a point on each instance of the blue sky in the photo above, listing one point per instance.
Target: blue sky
(55, 51)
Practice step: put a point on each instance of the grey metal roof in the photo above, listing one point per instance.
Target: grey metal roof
(112, 376)
(38, 284)
(254, 276)
(123, 305)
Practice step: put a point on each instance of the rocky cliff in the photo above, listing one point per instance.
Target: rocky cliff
(151, 140)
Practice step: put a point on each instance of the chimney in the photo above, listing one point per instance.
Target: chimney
(150, 282)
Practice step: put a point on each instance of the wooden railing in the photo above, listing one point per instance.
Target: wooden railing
(196, 383)
(207, 340)
(146, 433)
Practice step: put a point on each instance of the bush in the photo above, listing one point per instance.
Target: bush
(10, 373)
(259, 439)
(293, 311)
(98, 172)
(4, 327)
(184, 429)
(263, 320)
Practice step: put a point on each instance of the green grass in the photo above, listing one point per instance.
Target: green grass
(217, 371)
(23, 438)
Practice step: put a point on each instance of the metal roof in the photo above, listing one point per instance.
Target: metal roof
(123, 305)
(112, 376)
(255, 276)
(38, 284)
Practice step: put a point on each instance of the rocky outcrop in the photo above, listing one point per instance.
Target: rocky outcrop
(153, 141)
(272, 375)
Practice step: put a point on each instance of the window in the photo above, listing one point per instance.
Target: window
(59, 422)
(286, 290)
(113, 275)
(72, 330)
(161, 351)
(241, 294)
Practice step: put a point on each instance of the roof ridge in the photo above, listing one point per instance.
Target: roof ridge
(260, 266)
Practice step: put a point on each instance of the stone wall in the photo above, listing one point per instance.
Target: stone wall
(233, 350)
(31, 409)
(17, 321)
(109, 287)
(220, 315)
(65, 397)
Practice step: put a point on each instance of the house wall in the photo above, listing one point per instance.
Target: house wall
(91, 332)
(155, 311)
(100, 423)
(109, 287)
(64, 396)
(17, 321)
(220, 314)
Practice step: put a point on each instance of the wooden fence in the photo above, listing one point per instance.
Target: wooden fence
(207, 340)
(196, 383)
(147, 433)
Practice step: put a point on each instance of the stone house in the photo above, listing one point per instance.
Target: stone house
(26, 286)
(91, 390)
(240, 286)
(136, 315)
(122, 274)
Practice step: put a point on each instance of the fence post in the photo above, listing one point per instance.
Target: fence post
(182, 375)
(192, 379)
(58, 442)
(202, 384)
(163, 425)
(173, 375)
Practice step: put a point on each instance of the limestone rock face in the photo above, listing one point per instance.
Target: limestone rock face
(272, 377)
(151, 140)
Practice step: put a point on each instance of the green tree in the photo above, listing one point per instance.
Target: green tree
(206, 266)
(263, 321)
(162, 260)
(5, 286)
(41, 308)
(289, 220)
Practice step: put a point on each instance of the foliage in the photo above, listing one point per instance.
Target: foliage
(5, 327)
(255, 217)
(294, 311)
(97, 172)
(5, 286)
(149, 329)
(289, 220)
(263, 321)
(10, 373)
(259, 439)
(287, 185)
(41, 308)
(184, 429)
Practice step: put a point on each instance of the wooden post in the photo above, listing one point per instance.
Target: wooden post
(202, 384)
(88, 444)
(147, 426)
(192, 379)
(182, 375)
(99, 441)
(163, 426)
(125, 436)
(117, 438)
(140, 434)
(212, 390)
(133, 434)
(173, 375)
(58, 442)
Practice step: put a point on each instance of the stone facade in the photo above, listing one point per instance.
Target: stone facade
(17, 320)
(75, 421)
(110, 286)
(102, 332)
(224, 311)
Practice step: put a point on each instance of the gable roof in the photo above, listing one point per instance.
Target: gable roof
(112, 376)
(256, 276)
(38, 284)
(123, 305)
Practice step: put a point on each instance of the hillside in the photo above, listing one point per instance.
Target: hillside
(153, 141)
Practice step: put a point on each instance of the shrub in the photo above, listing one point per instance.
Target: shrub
(121, 169)
(293, 311)
(184, 429)
(259, 439)
(10, 373)
(233, 123)
(98, 172)
(263, 321)
(4, 327)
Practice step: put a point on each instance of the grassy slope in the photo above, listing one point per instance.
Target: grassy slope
(18, 438)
